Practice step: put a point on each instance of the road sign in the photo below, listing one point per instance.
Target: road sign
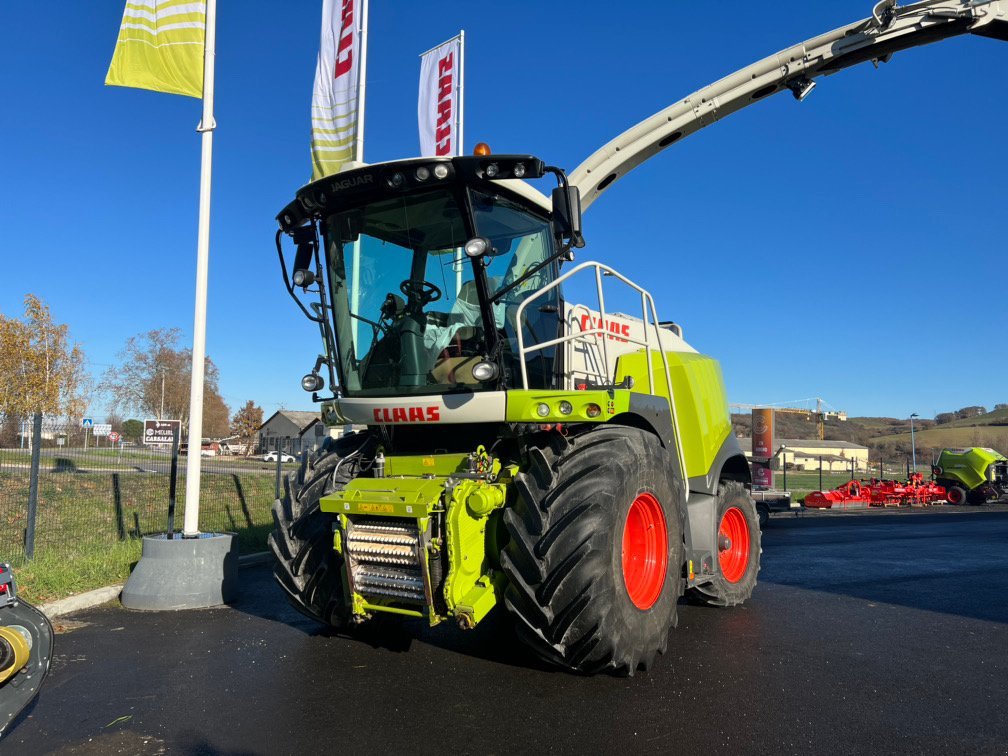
(161, 431)
(101, 429)
(86, 422)
(113, 437)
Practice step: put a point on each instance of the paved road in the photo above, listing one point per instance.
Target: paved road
(867, 633)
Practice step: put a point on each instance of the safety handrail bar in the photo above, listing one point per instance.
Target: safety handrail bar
(647, 303)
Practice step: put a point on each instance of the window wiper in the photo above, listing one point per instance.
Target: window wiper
(561, 254)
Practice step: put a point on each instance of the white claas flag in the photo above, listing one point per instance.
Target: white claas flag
(335, 100)
(439, 109)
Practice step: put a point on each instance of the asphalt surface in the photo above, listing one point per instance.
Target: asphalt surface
(880, 633)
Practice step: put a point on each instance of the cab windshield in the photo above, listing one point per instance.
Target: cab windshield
(408, 319)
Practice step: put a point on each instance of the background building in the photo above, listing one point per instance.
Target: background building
(804, 454)
(282, 431)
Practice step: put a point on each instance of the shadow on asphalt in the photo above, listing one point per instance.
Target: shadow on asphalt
(493, 640)
(950, 562)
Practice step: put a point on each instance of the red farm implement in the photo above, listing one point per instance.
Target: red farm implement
(879, 493)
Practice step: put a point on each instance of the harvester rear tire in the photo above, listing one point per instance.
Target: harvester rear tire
(595, 555)
(307, 566)
(955, 495)
(977, 496)
(738, 563)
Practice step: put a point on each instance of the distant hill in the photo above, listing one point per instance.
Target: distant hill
(889, 437)
(997, 417)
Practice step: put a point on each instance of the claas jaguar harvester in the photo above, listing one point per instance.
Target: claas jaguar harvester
(569, 463)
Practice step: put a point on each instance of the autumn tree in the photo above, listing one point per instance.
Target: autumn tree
(246, 424)
(153, 376)
(41, 368)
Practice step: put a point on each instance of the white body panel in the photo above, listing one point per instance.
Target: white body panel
(585, 359)
(477, 407)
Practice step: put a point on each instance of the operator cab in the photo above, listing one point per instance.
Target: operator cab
(421, 265)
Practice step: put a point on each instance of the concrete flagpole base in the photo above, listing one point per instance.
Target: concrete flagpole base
(183, 573)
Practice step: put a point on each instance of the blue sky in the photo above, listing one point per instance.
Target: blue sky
(849, 247)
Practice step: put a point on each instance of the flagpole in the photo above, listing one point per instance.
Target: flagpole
(359, 157)
(206, 127)
(461, 91)
(361, 84)
(460, 145)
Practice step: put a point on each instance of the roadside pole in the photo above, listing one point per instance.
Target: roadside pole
(279, 458)
(33, 486)
(172, 481)
(199, 569)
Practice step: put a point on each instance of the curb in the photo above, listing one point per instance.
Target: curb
(81, 601)
(100, 596)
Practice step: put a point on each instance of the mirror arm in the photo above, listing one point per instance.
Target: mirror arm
(287, 281)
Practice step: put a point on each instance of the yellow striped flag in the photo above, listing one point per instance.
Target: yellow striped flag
(160, 47)
(335, 108)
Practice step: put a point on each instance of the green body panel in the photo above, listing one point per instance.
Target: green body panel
(970, 467)
(701, 401)
(522, 405)
(425, 464)
(472, 585)
(410, 498)
(418, 488)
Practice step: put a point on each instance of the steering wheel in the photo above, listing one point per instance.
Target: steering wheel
(423, 291)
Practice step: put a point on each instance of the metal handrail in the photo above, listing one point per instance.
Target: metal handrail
(647, 308)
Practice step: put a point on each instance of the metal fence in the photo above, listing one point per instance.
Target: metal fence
(63, 493)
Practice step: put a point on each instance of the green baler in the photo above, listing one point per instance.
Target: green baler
(974, 475)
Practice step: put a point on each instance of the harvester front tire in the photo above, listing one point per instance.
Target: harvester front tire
(739, 549)
(595, 555)
(307, 567)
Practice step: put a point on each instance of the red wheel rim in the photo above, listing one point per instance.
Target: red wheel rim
(645, 551)
(733, 545)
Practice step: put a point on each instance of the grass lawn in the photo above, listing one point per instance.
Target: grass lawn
(994, 436)
(89, 524)
(71, 459)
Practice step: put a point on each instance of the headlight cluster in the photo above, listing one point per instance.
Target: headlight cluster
(566, 409)
(421, 174)
(513, 167)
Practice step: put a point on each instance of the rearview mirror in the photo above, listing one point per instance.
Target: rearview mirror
(567, 213)
(348, 226)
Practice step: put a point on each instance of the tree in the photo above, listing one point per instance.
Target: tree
(41, 368)
(132, 430)
(153, 379)
(246, 424)
(972, 411)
